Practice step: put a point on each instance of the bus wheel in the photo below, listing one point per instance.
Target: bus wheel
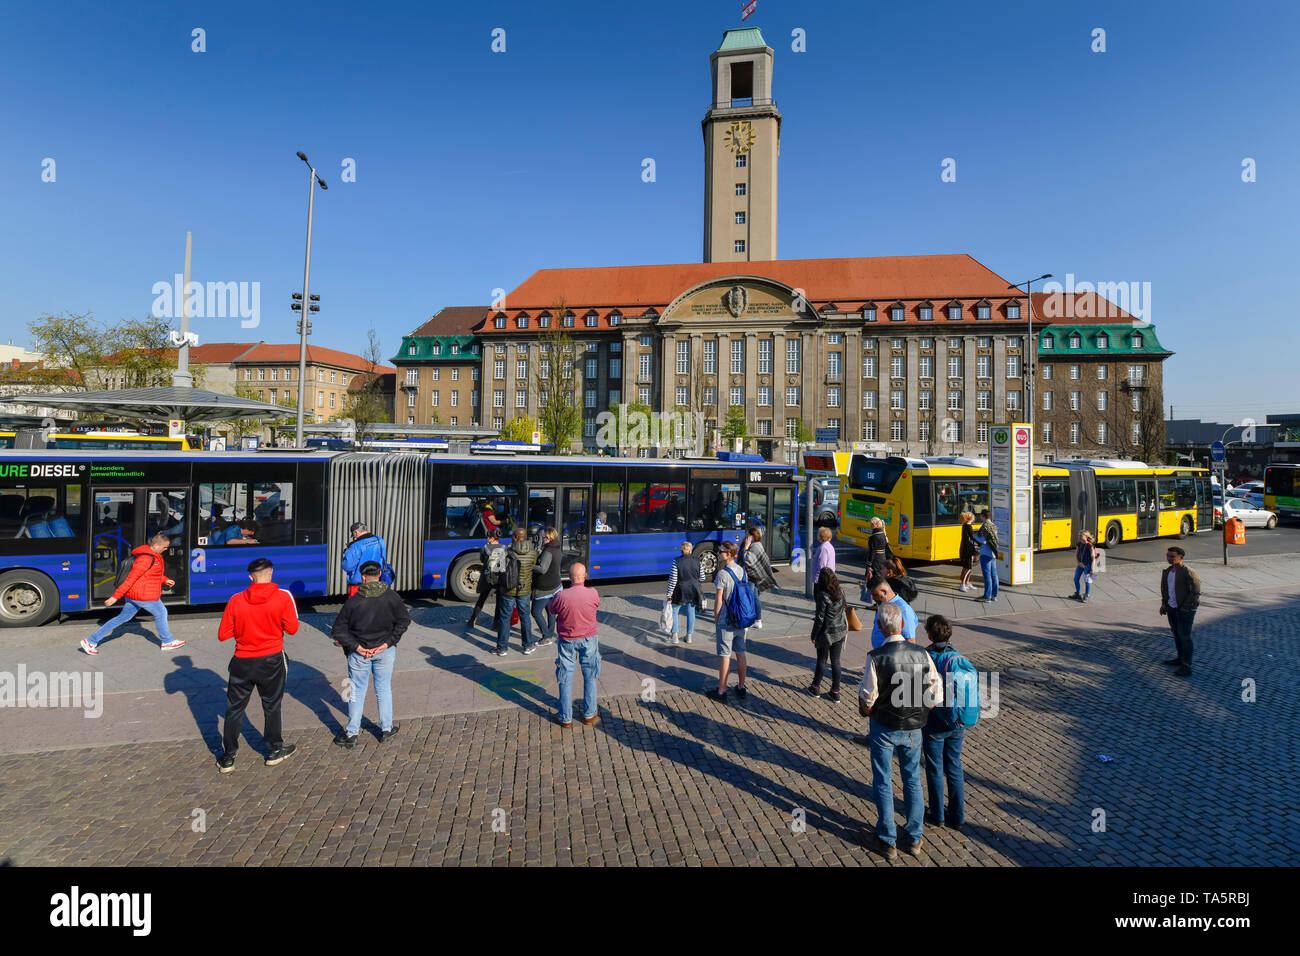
(27, 599)
(708, 560)
(463, 578)
(1186, 528)
(1114, 534)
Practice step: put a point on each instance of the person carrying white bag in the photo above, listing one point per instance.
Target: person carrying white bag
(684, 592)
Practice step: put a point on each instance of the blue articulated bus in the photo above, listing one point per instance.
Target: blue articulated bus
(69, 520)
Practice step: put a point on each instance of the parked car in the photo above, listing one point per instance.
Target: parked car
(1218, 509)
(1252, 516)
(826, 503)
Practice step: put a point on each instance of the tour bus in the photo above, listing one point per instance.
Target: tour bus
(68, 520)
(921, 500)
(1282, 490)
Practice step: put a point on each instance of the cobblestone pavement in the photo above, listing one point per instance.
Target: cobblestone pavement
(1199, 774)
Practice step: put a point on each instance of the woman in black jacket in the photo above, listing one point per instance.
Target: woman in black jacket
(879, 554)
(970, 549)
(830, 628)
(546, 584)
(684, 589)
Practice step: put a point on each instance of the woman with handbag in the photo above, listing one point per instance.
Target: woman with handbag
(684, 579)
(970, 549)
(1084, 556)
(756, 563)
(830, 628)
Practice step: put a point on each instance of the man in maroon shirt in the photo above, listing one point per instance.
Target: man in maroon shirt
(257, 618)
(574, 609)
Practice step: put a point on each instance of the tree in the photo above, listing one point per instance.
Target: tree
(73, 345)
(734, 426)
(84, 353)
(803, 435)
(559, 416)
(520, 428)
(365, 405)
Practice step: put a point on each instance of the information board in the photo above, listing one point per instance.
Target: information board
(1011, 499)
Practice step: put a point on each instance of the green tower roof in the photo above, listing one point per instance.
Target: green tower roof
(745, 39)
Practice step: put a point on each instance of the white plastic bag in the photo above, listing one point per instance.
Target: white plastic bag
(666, 618)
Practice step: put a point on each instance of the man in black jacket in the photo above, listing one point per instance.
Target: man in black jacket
(368, 627)
(899, 686)
(1180, 595)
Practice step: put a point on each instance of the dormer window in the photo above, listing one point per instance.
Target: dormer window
(592, 318)
(568, 320)
(983, 310)
(954, 311)
(869, 312)
(499, 322)
(1049, 342)
(437, 348)
(544, 320)
(521, 321)
(896, 312)
(1137, 340)
(1103, 340)
(1076, 340)
(927, 312)
(412, 349)
(615, 318)
(455, 348)
(1013, 310)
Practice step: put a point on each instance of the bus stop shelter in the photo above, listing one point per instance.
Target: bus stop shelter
(161, 404)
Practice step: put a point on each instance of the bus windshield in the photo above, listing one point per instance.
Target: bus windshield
(875, 474)
(1279, 481)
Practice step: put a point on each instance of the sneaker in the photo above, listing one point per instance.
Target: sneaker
(672, 639)
(88, 647)
(500, 652)
(343, 740)
(814, 691)
(688, 638)
(1075, 596)
(225, 764)
(741, 692)
(280, 754)
(172, 645)
(530, 649)
(914, 849)
(833, 697)
(714, 694)
(389, 734)
(545, 642)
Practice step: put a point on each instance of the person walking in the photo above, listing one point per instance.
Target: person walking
(684, 593)
(368, 627)
(969, 551)
(823, 555)
(363, 547)
(898, 685)
(575, 620)
(879, 554)
(942, 738)
(730, 639)
(142, 587)
(1084, 555)
(830, 628)
(1180, 596)
(258, 618)
(756, 563)
(488, 573)
(990, 554)
(546, 585)
(521, 558)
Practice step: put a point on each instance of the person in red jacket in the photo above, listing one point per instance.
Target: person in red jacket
(257, 618)
(143, 589)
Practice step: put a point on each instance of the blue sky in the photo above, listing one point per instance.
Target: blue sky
(474, 168)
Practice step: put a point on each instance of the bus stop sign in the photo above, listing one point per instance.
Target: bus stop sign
(1218, 452)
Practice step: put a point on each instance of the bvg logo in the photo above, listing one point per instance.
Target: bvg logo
(1000, 437)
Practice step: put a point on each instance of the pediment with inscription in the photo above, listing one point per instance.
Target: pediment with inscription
(733, 300)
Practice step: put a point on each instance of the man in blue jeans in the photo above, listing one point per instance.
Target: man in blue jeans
(368, 627)
(575, 622)
(990, 555)
(899, 686)
(942, 739)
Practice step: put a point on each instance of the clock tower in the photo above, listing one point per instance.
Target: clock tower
(742, 141)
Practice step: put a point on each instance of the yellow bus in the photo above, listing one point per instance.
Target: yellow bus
(94, 440)
(920, 501)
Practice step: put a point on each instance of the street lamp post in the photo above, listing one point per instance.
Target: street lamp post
(1031, 351)
(312, 180)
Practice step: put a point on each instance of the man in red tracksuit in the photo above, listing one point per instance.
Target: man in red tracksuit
(257, 618)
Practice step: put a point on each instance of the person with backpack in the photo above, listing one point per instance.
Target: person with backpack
(990, 555)
(258, 618)
(368, 627)
(546, 585)
(364, 547)
(492, 558)
(735, 609)
(1084, 555)
(514, 590)
(899, 684)
(1180, 596)
(141, 581)
(684, 591)
(945, 728)
(830, 628)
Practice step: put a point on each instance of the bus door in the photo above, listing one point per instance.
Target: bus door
(125, 518)
(771, 507)
(1148, 514)
(567, 508)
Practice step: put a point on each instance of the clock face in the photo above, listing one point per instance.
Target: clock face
(740, 137)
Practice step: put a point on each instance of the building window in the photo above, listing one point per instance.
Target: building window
(436, 374)
(568, 320)
(261, 375)
(792, 357)
(923, 430)
(589, 398)
(869, 398)
(764, 356)
(737, 357)
(412, 349)
(982, 366)
(435, 400)
(288, 375)
(896, 430)
(1013, 310)
(983, 312)
(473, 399)
(791, 427)
(1103, 401)
(683, 356)
(643, 366)
(566, 368)
(498, 423)
(896, 398)
(500, 350)
(521, 322)
(616, 318)
(1047, 433)
(320, 399)
(592, 320)
(835, 424)
(764, 426)
(982, 432)
(1103, 433)
(1013, 366)
(1048, 342)
(954, 401)
(499, 368)
(737, 395)
(1076, 401)
(410, 419)
(1103, 340)
(545, 368)
(499, 322)
(544, 320)
(765, 395)
(1136, 402)
(983, 400)
(833, 396)
(1047, 372)
(455, 348)
(925, 400)
(1137, 374)
(1075, 340)
(642, 395)
(521, 398)
(1102, 372)
(1074, 433)
(1074, 371)
(896, 364)
(1136, 340)
(332, 395)
(592, 371)
(869, 313)
(792, 396)
(896, 313)
(954, 366)
(740, 245)
(954, 343)
(927, 366)
(898, 342)
(954, 313)
(454, 420)
(412, 376)
(521, 368)
(646, 341)
(616, 369)
(710, 396)
(833, 362)
(1013, 400)
(868, 366)
(834, 338)
(1013, 342)
(740, 191)
(869, 430)
(455, 398)
(710, 357)
(1047, 401)
(1137, 433)
(740, 219)
(984, 342)
(499, 398)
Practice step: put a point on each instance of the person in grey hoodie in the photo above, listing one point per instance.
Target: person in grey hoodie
(830, 628)
(546, 584)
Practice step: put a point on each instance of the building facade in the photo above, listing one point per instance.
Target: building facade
(439, 370)
(269, 373)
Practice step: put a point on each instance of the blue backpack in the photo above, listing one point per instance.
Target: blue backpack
(961, 694)
(743, 608)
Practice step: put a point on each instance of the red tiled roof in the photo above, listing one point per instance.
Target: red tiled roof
(453, 320)
(848, 284)
(268, 354)
(215, 353)
(387, 382)
(1078, 308)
